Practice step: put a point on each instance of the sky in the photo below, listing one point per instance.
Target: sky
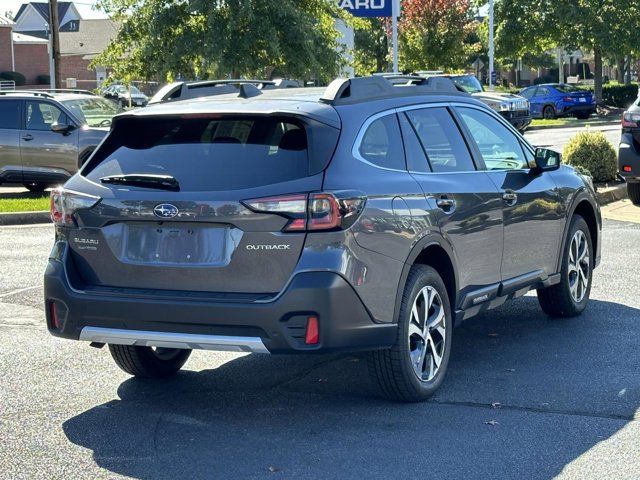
(83, 6)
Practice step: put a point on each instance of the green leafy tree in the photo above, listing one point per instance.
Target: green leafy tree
(434, 34)
(371, 46)
(163, 39)
(604, 27)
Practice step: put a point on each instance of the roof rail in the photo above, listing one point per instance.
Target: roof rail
(69, 90)
(204, 83)
(35, 93)
(345, 91)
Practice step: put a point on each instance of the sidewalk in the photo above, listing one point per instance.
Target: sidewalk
(623, 210)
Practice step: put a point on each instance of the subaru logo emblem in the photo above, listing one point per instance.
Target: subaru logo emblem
(165, 210)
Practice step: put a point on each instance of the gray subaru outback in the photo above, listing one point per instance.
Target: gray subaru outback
(369, 216)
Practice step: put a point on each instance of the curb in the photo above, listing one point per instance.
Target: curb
(24, 218)
(614, 194)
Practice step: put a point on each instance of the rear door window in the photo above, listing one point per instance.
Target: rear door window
(441, 140)
(206, 153)
(10, 114)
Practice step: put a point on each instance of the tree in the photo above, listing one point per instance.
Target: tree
(605, 27)
(371, 46)
(165, 39)
(433, 33)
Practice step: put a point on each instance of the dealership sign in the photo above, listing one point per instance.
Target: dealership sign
(368, 8)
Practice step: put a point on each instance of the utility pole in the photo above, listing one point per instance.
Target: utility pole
(395, 13)
(54, 27)
(491, 45)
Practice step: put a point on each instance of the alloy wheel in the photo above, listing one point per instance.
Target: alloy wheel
(579, 266)
(427, 333)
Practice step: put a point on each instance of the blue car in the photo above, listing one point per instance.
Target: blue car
(552, 100)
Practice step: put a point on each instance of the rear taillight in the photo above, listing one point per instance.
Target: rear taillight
(65, 203)
(313, 211)
(630, 120)
(568, 99)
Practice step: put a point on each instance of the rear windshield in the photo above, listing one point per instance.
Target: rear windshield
(223, 153)
(568, 89)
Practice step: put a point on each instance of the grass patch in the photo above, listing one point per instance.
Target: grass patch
(556, 122)
(32, 204)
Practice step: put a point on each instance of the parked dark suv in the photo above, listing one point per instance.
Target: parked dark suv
(365, 217)
(629, 151)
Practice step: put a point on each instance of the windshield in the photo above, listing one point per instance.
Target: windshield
(123, 89)
(95, 112)
(469, 83)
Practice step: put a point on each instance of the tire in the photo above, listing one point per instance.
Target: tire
(582, 116)
(393, 368)
(36, 187)
(146, 362)
(560, 300)
(548, 112)
(633, 190)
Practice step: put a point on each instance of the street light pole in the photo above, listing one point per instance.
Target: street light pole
(491, 45)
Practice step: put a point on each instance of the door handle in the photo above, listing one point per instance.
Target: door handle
(510, 197)
(446, 203)
(28, 137)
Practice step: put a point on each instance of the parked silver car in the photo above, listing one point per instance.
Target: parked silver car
(45, 137)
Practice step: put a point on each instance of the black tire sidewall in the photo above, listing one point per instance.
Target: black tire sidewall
(546, 109)
(422, 277)
(577, 223)
(633, 190)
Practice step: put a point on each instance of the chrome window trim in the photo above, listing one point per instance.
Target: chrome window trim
(355, 149)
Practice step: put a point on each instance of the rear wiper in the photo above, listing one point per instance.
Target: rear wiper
(161, 182)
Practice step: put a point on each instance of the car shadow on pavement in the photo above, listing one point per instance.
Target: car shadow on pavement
(524, 397)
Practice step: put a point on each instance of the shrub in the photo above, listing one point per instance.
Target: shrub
(581, 170)
(15, 76)
(592, 151)
(43, 79)
(620, 96)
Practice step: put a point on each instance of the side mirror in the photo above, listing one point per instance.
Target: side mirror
(62, 128)
(546, 160)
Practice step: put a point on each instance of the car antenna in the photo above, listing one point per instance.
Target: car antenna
(247, 91)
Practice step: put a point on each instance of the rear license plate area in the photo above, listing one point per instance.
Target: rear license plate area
(170, 244)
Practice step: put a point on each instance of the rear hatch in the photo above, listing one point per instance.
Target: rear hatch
(174, 191)
(575, 95)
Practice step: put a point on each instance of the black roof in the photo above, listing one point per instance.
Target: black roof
(43, 9)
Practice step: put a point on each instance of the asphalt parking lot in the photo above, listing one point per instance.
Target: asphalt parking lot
(525, 397)
(557, 138)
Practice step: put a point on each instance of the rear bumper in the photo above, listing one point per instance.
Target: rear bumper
(573, 109)
(628, 156)
(277, 326)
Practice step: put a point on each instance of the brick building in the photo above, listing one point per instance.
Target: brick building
(24, 45)
(6, 45)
